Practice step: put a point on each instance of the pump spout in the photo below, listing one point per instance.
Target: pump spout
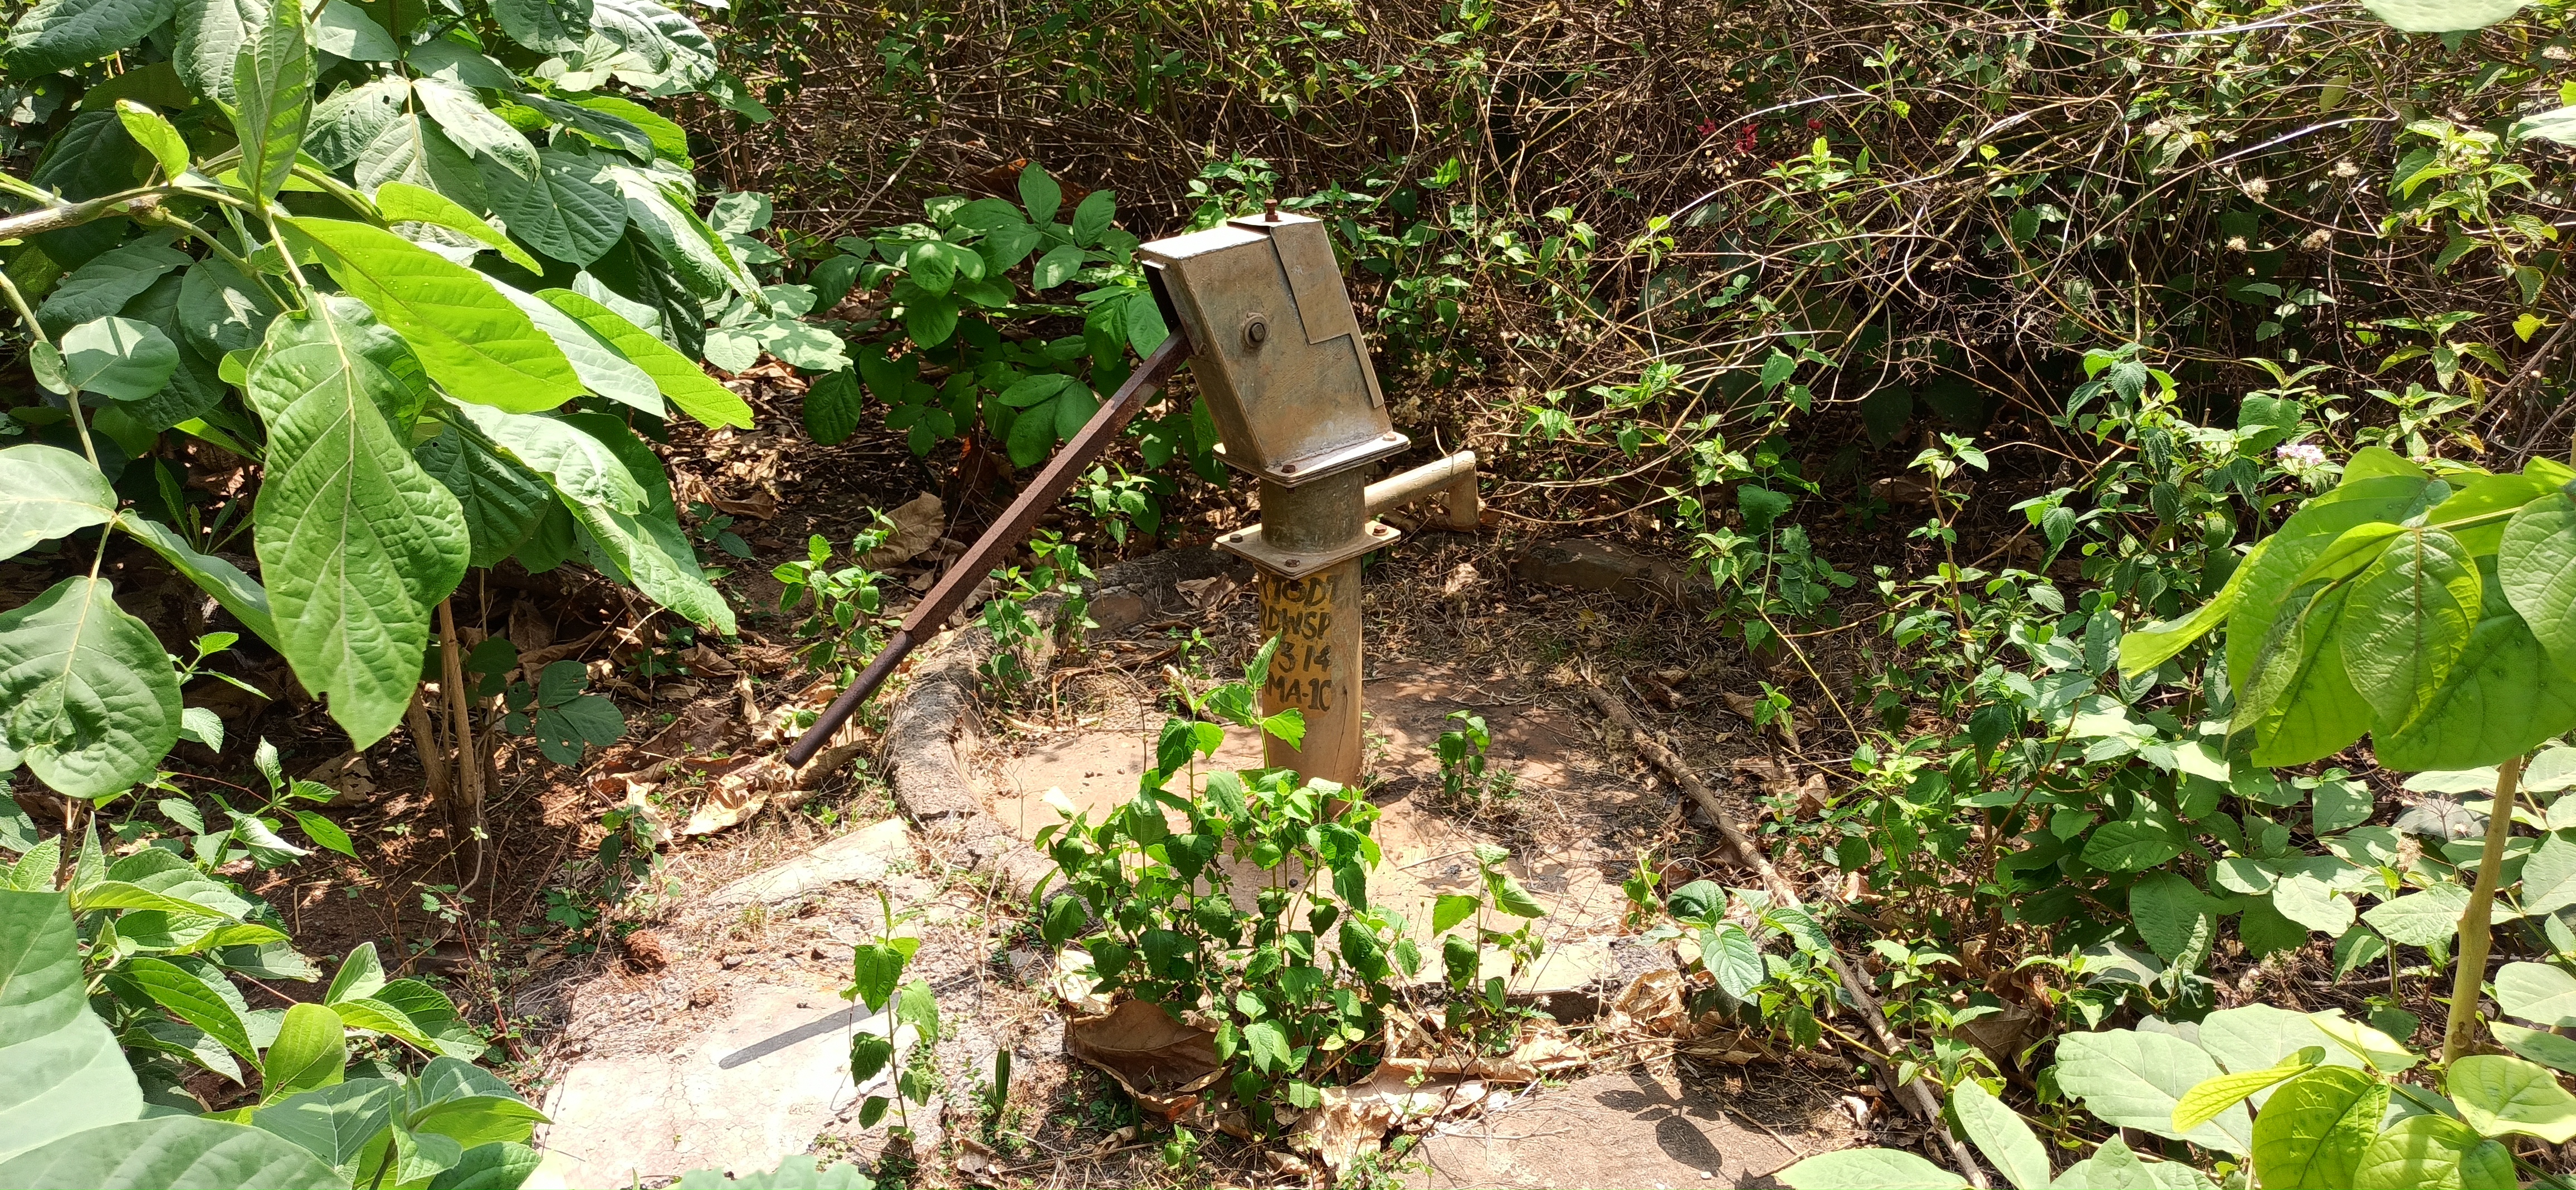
(948, 597)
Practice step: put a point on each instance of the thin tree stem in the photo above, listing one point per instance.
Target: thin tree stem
(466, 813)
(2470, 979)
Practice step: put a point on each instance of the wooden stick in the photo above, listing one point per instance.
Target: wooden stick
(1916, 1095)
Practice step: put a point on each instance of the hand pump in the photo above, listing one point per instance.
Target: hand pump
(1258, 305)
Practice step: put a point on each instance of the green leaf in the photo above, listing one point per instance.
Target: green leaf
(90, 699)
(547, 26)
(2548, 1049)
(502, 501)
(358, 543)
(2503, 697)
(686, 243)
(2536, 566)
(2502, 1096)
(501, 1165)
(348, 122)
(65, 1070)
(2548, 877)
(512, 161)
(46, 492)
(2001, 1135)
(222, 311)
(2420, 919)
(336, 1121)
(2409, 617)
(190, 999)
(2433, 1152)
(272, 97)
(918, 1008)
(475, 344)
(876, 970)
(669, 141)
(832, 407)
(360, 975)
(119, 358)
(60, 34)
(2172, 914)
(1733, 959)
(1092, 217)
(344, 30)
(684, 383)
(1268, 1043)
(2130, 1079)
(401, 202)
(104, 285)
(211, 36)
(2312, 1133)
(236, 591)
(2301, 704)
(1868, 1169)
(602, 369)
(647, 548)
(409, 148)
(1057, 267)
(1451, 909)
(584, 469)
(2313, 903)
(311, 1051)
(476, 1120)
(168, 1153)
(1040, 196)
(2207, 1099)
(2537, 992)
(2441, 16)
(2376, 495)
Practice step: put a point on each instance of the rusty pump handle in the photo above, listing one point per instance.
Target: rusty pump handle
(969, 569)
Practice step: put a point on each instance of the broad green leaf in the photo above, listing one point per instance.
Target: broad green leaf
(59, 34)
(2548, 877)
(237, 592)
(583, 468)
(196, 386)
(1451, 909)
(2312, 1133)
(1733, 959)
(2352, 551)
(211, 35)
(2171, 913)
(670, 142)
(150, 130)
(335, 1121)
(1868, 1169)
(478, 131)
(681, 55)
(358, 543)
(2313, 903)
(401, 202)
(502, 500)
(683, 382)
(477, 1120)
(691, 247)
(2001, 1135)
(1040, 196)
(2301, 704)
(2308, 533)
(475, 344)
(168, 1153)
(2203, 1102)
(408, 147)
(360, 975)
(2538, 993)
(345, 124)
(344, 30)
(598, 127)
(46, 492)
(2131, 1079)
(2370, 1048)
(2407, 619)
(601, 368)
(2502, 1096)
(311, 1050)
(2502, 697)
(2422, 918)
(648, 548)
(272, 98)
(454, 59)
(2546, 1048)
(2441, 16)
(2433, 1152)
(502, 1165)
(2488, 496)
(65, 1072)
(2536, 566)
(103, 286)
(1268, 1043)
(547, 26)
(220, 310)
(90, 700)
(190, 999)
(119, 358)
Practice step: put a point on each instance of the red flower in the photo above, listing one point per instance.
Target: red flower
(1708, 127)
(1747, 140)
(1815, 125)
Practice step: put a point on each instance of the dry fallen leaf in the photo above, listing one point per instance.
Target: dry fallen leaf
(1353, 1119)
(1163, 1063)
(1460, 578)
(739, 795)
(916, 529)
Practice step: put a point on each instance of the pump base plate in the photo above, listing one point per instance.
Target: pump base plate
(1292, 563)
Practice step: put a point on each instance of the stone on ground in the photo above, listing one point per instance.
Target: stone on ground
(863, 856)
(753, 1087)
(1632, 1128)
